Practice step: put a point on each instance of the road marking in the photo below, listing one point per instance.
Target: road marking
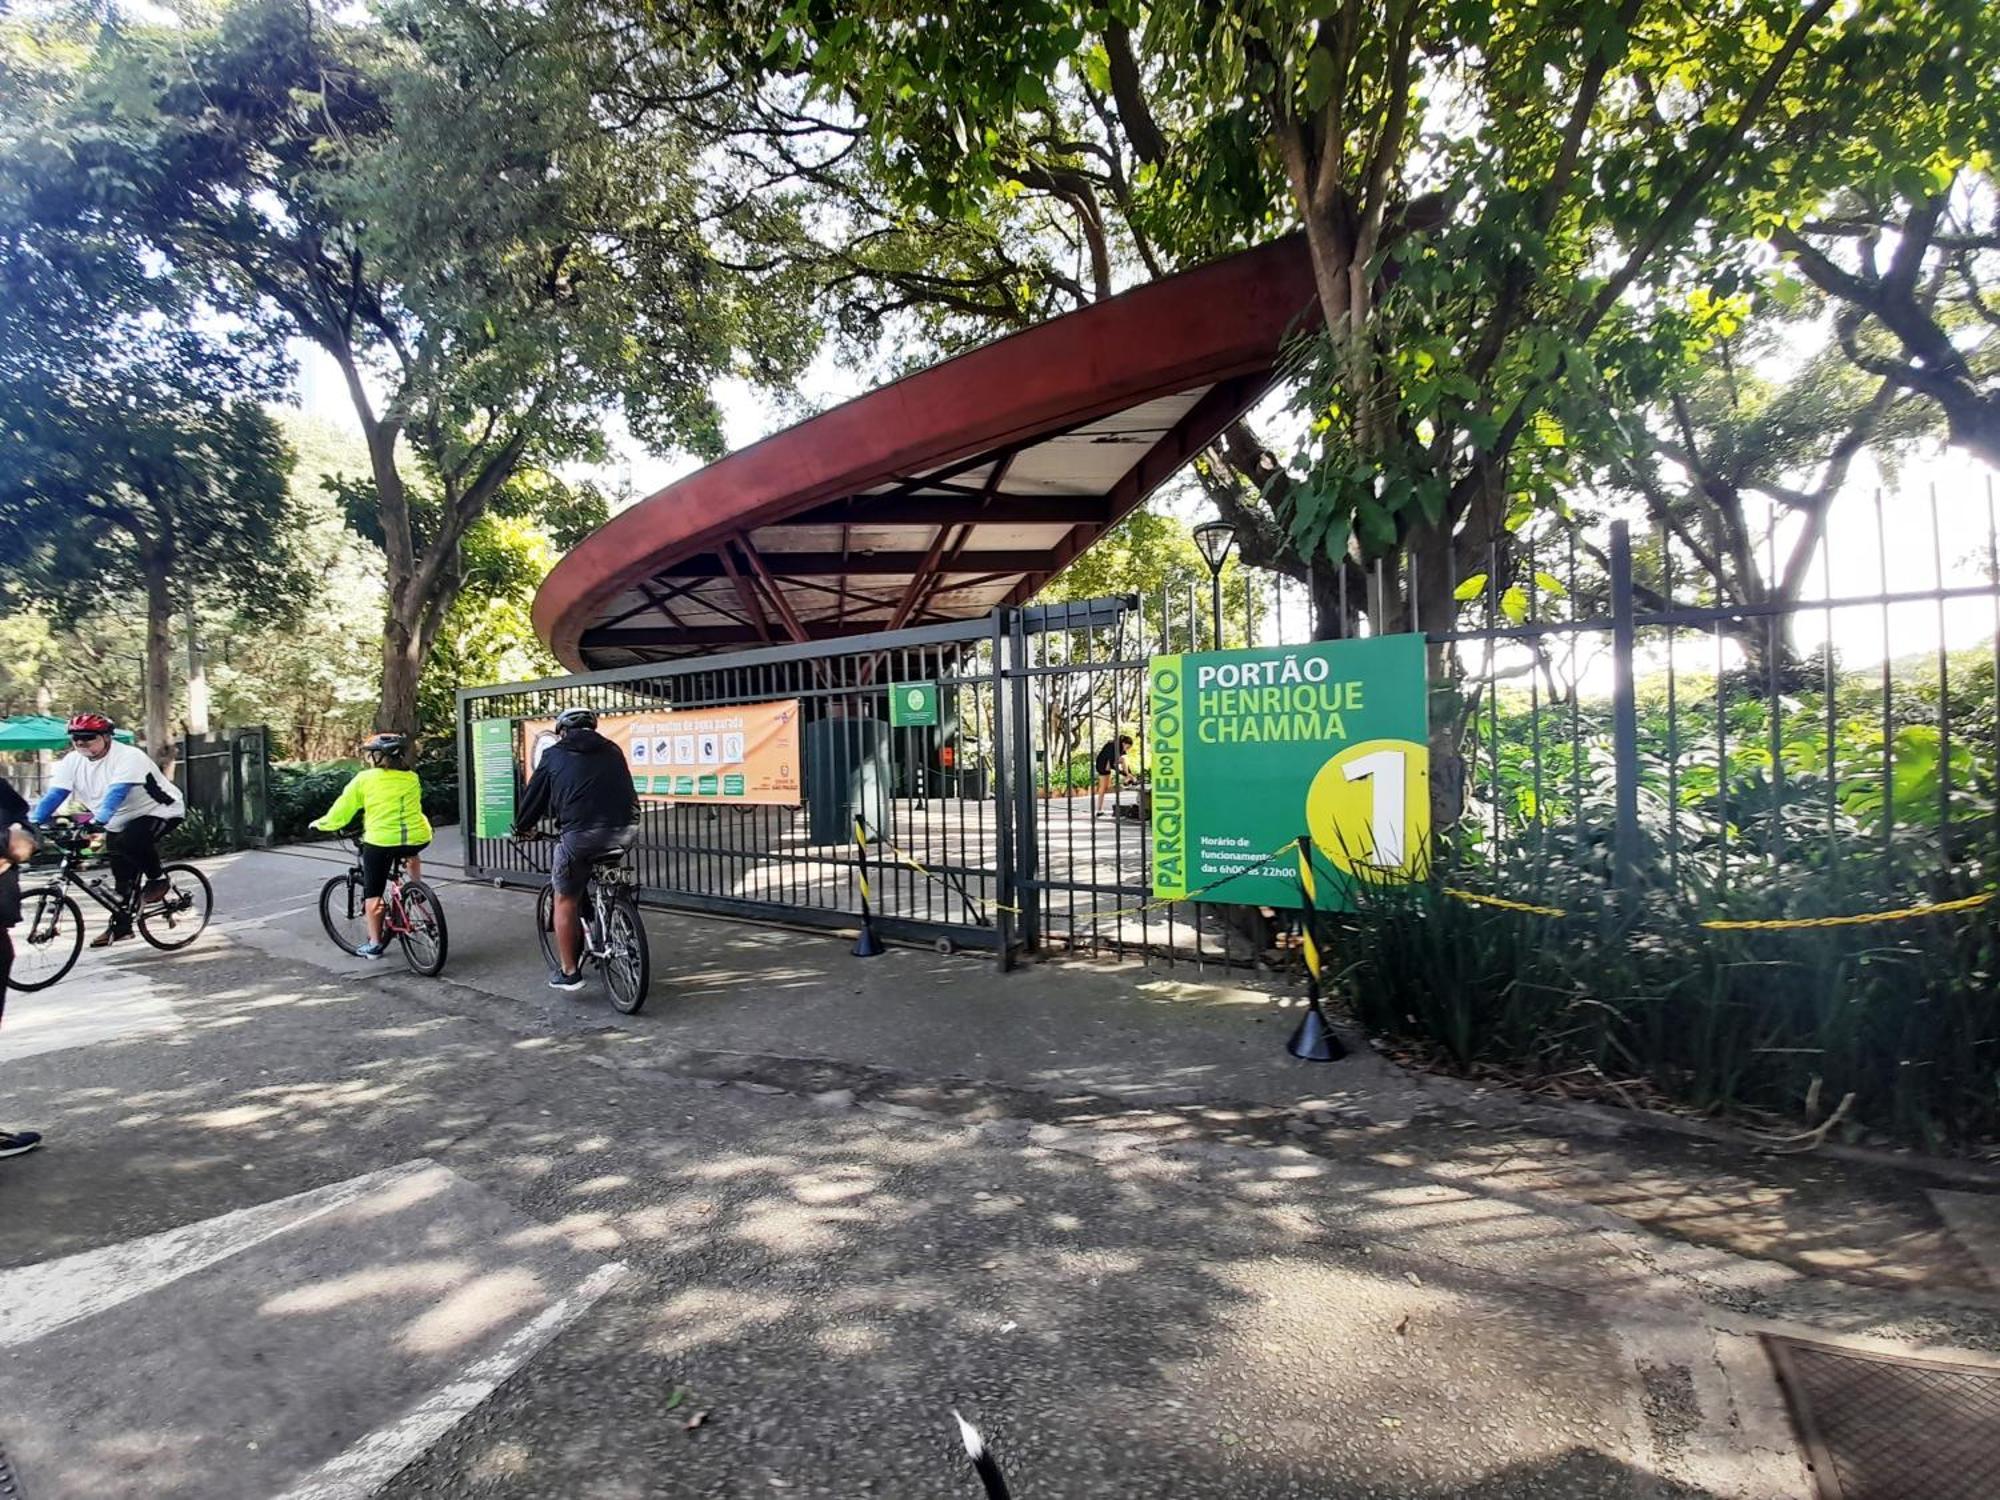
(36, 1300)
(387, 1451)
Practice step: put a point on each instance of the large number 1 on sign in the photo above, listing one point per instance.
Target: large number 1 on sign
(1385, 816)
(1369, 808)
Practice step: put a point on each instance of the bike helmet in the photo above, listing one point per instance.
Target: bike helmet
(386, 744)
(576, 718)
(88, 723)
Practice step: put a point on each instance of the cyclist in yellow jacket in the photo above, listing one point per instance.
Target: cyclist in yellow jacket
(393, 830)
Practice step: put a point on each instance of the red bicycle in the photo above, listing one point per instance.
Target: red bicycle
(411, 914)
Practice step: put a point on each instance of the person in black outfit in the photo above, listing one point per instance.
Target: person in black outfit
(1110, 763)
(585, 785)
(13, 822)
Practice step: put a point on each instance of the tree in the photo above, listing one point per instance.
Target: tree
(128, 469)
(1763, 427)
(432, 196)
(1917, 283)
(1509, 207)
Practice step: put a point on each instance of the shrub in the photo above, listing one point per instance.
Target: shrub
(302, 791)
(1783, 1022)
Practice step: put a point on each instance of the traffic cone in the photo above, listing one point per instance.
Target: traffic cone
(1314, 1040)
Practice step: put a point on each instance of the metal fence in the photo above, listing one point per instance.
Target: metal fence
(226, 780)
(1610, 711)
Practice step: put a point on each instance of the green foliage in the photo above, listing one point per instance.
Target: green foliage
(1781, 1023)
(303, 791)
(1741, 808)
(437, 196)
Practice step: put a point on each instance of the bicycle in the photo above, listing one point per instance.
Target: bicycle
(614, 938)
(411, 913)
(49, 939)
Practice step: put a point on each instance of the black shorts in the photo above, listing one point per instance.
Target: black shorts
(376, 862)
(578, 849)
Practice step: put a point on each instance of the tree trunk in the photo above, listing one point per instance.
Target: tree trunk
(402, 665)
(159, 654)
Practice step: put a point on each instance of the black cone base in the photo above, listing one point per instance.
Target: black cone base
(866, 946)
(1314, 1041)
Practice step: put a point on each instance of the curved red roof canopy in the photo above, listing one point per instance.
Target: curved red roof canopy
(938, 497)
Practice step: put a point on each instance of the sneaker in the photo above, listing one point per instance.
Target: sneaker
(110, 935)
(568, 982)
(19, 1142)
(156, 890)
(371, 950)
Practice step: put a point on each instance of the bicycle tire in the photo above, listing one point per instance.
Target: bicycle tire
(343, 913)
(169, 925)
(426, 940)
(53, 914)
(545, 925)
(628, 958)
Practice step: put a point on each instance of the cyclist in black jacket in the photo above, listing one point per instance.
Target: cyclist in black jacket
(585, 785)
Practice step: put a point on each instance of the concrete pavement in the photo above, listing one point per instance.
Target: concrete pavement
(556, 1255)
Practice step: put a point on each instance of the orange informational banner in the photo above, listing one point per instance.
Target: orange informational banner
(744, 752)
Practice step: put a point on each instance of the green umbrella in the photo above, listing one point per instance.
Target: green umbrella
(25, 733)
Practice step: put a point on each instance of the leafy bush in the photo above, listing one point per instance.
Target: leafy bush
(1782, 1022)
(303, 791)
(199, 833)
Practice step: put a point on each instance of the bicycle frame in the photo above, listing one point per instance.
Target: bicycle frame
(69, 876)
(395, 918)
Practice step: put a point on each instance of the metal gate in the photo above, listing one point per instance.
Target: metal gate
(225, 778)
(981, 829)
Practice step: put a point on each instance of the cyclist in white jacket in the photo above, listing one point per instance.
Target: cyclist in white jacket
(129, 797)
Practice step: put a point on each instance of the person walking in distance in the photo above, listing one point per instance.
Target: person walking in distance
(16, 844)
(130, 798)
(1111, 764)
(584, 784)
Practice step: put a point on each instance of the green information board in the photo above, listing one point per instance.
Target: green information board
(1250, 749)
(913, 705)
(493, 777)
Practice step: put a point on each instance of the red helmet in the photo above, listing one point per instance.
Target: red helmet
(90, 724)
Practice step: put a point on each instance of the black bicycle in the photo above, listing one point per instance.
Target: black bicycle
(614, 938)
(411, 914)
(50, 936)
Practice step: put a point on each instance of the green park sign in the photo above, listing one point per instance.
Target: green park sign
(1251, 749)
(913, 705)
(493, 777)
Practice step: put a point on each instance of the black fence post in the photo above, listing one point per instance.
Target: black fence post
(1021, 757)
(1624, 710)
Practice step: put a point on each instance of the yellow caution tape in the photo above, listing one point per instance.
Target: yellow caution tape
(1861, 919)
(1505, 905)
(1766, 924)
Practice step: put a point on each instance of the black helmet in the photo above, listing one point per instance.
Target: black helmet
(387, 744)
(576, 718)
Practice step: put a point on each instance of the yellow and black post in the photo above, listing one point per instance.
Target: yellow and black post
(867, 945)
(1314, 1041)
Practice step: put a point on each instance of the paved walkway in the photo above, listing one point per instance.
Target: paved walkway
(489, 1240)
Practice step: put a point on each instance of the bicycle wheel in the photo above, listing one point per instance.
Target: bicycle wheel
(343, 913)
(47, 941)
(180, 918)
(627, 961)
(424, 939)
(545, 924)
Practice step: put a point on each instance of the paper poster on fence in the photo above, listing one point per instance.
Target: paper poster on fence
(742, 752)
(1250, 749)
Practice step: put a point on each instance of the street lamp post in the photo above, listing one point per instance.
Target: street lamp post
(1215, 538)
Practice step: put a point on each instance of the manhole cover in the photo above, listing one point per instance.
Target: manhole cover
(1892, 1427)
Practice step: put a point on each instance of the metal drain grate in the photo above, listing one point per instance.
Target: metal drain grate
(1892, 1427)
